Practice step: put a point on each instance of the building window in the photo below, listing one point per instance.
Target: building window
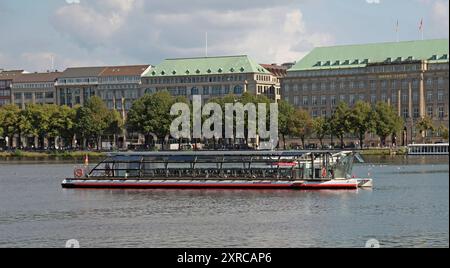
(324, 113)
(430, 111)
(314, 100)
(28, 95)
(18, 96)
(333, 86)
(383, 97)
(405, 113)
(430, 96)
(342, 98)
(362, 84)
(394, 98)
(314, 86)
(415, 97)
(394, 84)
(405, 98)
(441, 112)
(404, 84)
(429, 83)
(305, 100)
(416, 112)
(440, 82)
(352, 99)
(323, 100)
(440, 95)
(287, 89)
(39, 95)
(333, 100)
(384, 84)
(206, 90)
(238, 89)
(323, 86)
(296, 100)
(373, 99)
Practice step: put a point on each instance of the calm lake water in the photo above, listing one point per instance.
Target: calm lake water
(408, 207)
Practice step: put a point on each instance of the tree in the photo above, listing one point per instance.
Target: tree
(92, 121)
(423, 125)
(443, 131)
(62, 124)
(10, 116)
(285, 113)
(340, 122)
(150, 115)
(361, 120)
(387, 122)
(321, 128)
(301, 125)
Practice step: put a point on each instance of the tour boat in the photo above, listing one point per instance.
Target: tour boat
(222, 170)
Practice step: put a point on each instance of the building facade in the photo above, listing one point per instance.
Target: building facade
(411, 76)
(34, 88)
(210, 77)
(6, 79)
(279, 72)
(120, 86)
(76, 85)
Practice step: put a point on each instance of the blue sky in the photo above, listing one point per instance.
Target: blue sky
(105, 32)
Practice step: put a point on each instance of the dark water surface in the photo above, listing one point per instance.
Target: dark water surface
(408, 207)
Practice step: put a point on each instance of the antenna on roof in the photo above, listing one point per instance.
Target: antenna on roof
(206, 47)
(53, 62)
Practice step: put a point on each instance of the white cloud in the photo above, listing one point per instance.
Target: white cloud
(144, 30)
(440, 15)
(373, 1)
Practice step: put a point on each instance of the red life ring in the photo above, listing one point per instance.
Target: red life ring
(324, 172)
(78, 172)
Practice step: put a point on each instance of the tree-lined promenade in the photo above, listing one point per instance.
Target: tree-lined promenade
(81, 127)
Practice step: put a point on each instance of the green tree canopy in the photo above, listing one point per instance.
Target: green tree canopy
(301, 125)
(150, 115)
(321, 128)
(340, 123)
(423, 125)
(387, 122)
(285, 113)
(361, 120)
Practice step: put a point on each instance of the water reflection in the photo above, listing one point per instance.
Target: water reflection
(408, 207)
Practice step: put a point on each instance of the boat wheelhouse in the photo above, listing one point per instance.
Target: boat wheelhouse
(224, 170)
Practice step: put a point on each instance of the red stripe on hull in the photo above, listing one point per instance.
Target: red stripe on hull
(209, 186)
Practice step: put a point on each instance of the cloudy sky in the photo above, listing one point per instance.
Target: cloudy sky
(106, 32)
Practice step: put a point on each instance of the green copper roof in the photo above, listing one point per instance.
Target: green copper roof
(206, 66)
(353, 56)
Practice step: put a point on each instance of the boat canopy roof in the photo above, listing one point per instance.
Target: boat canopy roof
(190, 154)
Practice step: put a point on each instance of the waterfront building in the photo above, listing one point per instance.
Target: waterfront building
(6, 79)
(34, 88)
(279, 72)
(210, 77)
(76, 85)
(120, 86)
(412, 76)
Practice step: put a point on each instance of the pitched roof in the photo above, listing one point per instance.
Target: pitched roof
(277, 70)
(82, 72)
(206, 66)
(37, 77)
(10, 75)
(135, 70)
(352, 56)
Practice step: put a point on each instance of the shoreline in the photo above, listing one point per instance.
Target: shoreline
(80, 154)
